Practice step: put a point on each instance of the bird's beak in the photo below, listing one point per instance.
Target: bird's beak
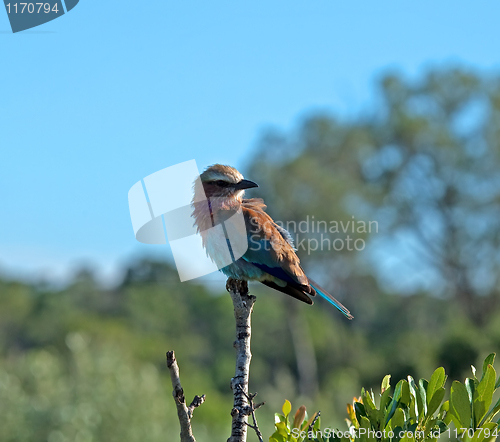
(245, 184)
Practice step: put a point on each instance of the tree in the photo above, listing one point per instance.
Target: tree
(424, 165)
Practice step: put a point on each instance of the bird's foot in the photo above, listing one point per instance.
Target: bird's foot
(230, 284)
(237, 285)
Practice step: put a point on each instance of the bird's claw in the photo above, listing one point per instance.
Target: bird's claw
(230, 284)
(237, 285)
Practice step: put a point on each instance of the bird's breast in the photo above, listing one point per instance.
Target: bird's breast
(215, 243)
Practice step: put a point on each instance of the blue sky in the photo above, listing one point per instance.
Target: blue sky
(114, 91)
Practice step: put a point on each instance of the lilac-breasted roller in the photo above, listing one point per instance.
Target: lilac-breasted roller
(274, 261)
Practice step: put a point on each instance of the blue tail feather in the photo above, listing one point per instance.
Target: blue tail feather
(324, 294)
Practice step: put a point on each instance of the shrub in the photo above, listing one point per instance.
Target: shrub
(412, 412)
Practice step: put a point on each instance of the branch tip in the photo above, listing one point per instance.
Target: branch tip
(184, 413)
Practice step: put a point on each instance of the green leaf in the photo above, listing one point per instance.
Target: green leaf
(384, 400)
(287, 407)
(470, 385)
(398, 420)
(423, 394)
(490, 359)
(493, 427)
(442, 426)
(368, 402)
(443, 412)
(365, 424)
(276, 437)
(281, 429)
(460, 407)
(360, 410)
(429, 426)
(405, 393)
(445, 406)
(280, 417)
(386, 383)
(412, 427)
(416, 403)
(484, 393)
(437, 381)
(480, 433)
(376, 418)
(397, 432)
(395, 401)
(408, 437)
(436, 400)
(413, 409)
(493, 412)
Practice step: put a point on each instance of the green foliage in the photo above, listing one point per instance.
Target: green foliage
(95, 393)
(151, 312)
(470, 404)
(411, 413)
(294, 429)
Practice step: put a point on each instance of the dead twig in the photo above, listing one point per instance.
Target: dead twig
(251, 410)
(310, 429)
(184, 413)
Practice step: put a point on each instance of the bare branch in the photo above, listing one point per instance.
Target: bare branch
(184, 413)
(243, 306)
(252, 409)
(197, 401)
(310, 429)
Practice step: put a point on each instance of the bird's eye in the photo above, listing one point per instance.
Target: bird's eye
(222, 183)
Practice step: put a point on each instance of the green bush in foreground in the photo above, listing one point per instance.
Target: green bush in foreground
(413, 412)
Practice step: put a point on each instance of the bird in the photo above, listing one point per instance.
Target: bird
(271, 259)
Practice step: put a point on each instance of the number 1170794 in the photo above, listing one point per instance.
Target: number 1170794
(31, 8)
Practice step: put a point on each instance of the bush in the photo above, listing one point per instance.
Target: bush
(413, 412)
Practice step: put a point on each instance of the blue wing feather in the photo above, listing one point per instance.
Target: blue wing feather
(277, 272)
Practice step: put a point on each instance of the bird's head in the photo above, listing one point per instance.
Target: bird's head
(220, 181)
